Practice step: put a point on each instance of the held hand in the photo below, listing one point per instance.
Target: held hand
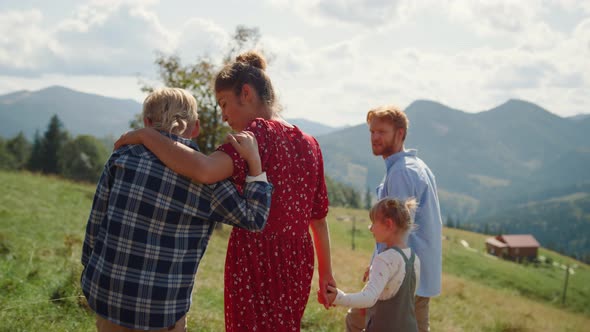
(323, 291)
(321, 298)
(130, 137)
(332, 292)
(325, 300)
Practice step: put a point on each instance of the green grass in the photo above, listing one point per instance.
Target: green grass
(541, 281)
(41, 231)
(42, 221)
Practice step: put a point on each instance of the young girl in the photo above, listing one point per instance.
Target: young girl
(394, 272)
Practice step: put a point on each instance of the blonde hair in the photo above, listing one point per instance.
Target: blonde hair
(171, 109)
(392, 114)
(400, 212)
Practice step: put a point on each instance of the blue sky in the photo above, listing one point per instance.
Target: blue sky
(332, 60)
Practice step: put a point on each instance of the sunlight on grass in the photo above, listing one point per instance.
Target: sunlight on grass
(42, 222)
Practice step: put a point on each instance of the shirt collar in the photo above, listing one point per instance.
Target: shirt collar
(185, 141)
(389, 161)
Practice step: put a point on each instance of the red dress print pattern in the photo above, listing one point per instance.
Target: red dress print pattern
(268, 274)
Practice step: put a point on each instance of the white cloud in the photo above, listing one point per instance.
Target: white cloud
(111, 39)
(24, 43)
(572, 5)
(342, 80)
(100, 38)
(364, 12)
(581, 37)
(492, 16)
(368, 13)
(356, 59)
(517, 22)
(97, 40)
(200, 37)
(512, 75)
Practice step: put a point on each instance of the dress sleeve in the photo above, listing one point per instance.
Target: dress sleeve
(320, 200)
(260, 130)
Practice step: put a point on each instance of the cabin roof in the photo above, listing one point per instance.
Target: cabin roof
(519, 241)
(496, 243)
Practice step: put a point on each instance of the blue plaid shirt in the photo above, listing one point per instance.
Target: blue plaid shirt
(146, 234)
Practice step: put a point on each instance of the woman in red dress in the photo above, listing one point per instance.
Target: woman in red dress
(267, 274)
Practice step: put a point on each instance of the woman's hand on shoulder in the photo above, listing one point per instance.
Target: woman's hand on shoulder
(245, 143)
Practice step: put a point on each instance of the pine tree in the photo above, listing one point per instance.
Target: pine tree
(46, 150)
(53, 141)
(353, 198)
(450, 222)
(35, 159)
(368, 199)
(20, 148)
(6, 158)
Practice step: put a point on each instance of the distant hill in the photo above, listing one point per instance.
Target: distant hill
(513, 155)
(578, 117)
(84, 113)
(560, 220)
(311, 127)
(515, 146)
(81, 113)
(487, 163)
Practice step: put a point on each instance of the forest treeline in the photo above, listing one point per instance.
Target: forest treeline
(82, 158)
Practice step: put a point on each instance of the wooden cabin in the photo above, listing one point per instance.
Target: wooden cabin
(513, 247)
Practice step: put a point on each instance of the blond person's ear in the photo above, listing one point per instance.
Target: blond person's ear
(147, 122)
(196, 130)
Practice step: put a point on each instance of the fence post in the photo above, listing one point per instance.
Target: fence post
(567, 273)
(353, 230)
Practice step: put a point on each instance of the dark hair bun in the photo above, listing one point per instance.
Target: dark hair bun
(252, 58)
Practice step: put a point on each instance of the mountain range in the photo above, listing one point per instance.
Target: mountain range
(81, 113)
(515, 157)
(84, 113)
(508, 152)
(516, 168)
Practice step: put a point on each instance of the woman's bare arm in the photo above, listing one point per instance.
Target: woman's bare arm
(181, 158)
(321, 241)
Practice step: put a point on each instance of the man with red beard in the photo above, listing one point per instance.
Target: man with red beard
(407, 176)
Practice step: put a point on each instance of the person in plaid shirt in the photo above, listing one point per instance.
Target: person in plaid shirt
(149, 227)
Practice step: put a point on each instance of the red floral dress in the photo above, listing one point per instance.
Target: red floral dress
(268, 274)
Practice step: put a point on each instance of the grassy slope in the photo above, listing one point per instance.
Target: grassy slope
(42, 224)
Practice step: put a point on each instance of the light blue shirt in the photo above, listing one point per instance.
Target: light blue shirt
(408, 176)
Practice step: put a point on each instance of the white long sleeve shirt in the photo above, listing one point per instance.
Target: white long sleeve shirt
(385, 278)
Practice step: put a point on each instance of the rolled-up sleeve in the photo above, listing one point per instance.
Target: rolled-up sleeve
(248, 210)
